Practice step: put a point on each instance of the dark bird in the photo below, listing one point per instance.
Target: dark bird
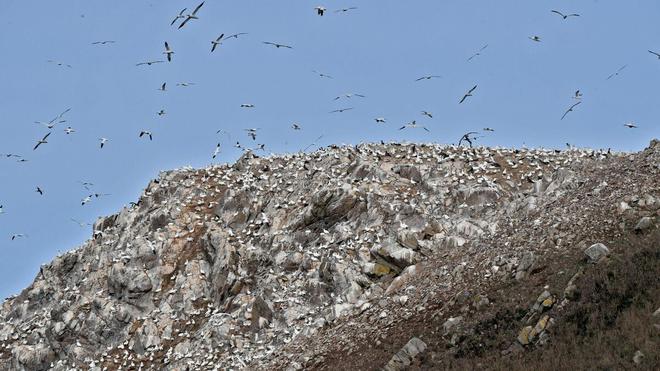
(630, 125)
(565, 15)
(252, 133)
(191, 16)
(295, 126)
(654, 53)
(168, 51)
(468, 94)
(322, 74)
(577, 95)
(161, 112)
(427, 114)
(380, 120)
(185, 84)
(277, 45)
(488, 129)
(570, 109)
(535, 38)
(162, 87)
(18, 235)
(103, 42)
(344, 10)
(320, 10)
(59, 63)
(147, 133)
(617, 72)
(477, 53)
(216, 42)
(42, 141)
(468, 137)
(428, 77)
(341, 110)
(40, 191)
(247, 105)
(149, 63)
(179, 16)
(413, 125)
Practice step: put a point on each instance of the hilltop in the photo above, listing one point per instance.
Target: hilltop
(361, 257)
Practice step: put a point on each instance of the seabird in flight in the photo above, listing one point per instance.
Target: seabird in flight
(320, 10)
(216, 42)
(147, 133)
(42, 141)
(617, 72)
(380, 120)
(477, 53)
(427, 114)
(247, 105)
(69, 130)
(570, 109)
(654, 53)
(216, 151)
(428, 77)
(349, 95)
(277, 45)
(18, 235)
(322, 74)
(163, 87)
(295, 126)
(179, 16)
(191, 16)
(103, 42)
(468, 94)
(630, 125)
(565, 15)
(149, 63)
(341, 110)
(168, 51)
(252, 133)
(39, 191)
(413, 125)
(103, 141)
(535, 38)
(344, 10)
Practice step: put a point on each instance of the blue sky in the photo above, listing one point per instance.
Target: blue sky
(377, 50)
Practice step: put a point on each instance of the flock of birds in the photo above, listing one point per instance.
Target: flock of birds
(185, 19)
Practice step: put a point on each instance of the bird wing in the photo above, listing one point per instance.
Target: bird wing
(471, 90)
(654, 53)
(463, 99)
(197, 8)
(573, 15)
(184, 22)
(46, 136)
(557, 12)
(403, 127)
(167, 47)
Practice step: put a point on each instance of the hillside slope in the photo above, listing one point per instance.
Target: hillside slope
(338, 258)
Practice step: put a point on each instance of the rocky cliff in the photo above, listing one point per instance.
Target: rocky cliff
(366, 257)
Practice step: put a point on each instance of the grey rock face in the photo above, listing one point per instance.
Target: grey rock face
(230, 266)
(403, 358)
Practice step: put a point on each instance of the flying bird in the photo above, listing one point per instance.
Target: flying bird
(617, 72)
(477, 53)
(344, 10)
(8, 155)
(630, 125)
(252, 133)
(103, 141)
(161, 112)
(413, 125)
(103, 42)
(216, 42)
(216, 151)
(488, 129)
(162, 87)
(535, 38)
(86, 185)
(577, 95)
(69, 130)
(185, 84)
(18, 235)
(428, 77)
(277, 45)
(168, 51)
(39, 191)
(427, 114)
(322, 74)
(147, 133)
(570, 109)
(236, 35)
(42, 141)
(468, 94)
(341, 110)
(654, 53)
(247, 105)
(191, 16)
(59, 63)
(179, 16)
(320, 10)
(295, 126)
(349, 95)
(565, 15)
(149, 63)
(380, 120)
(468, 137)
(57, 120)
